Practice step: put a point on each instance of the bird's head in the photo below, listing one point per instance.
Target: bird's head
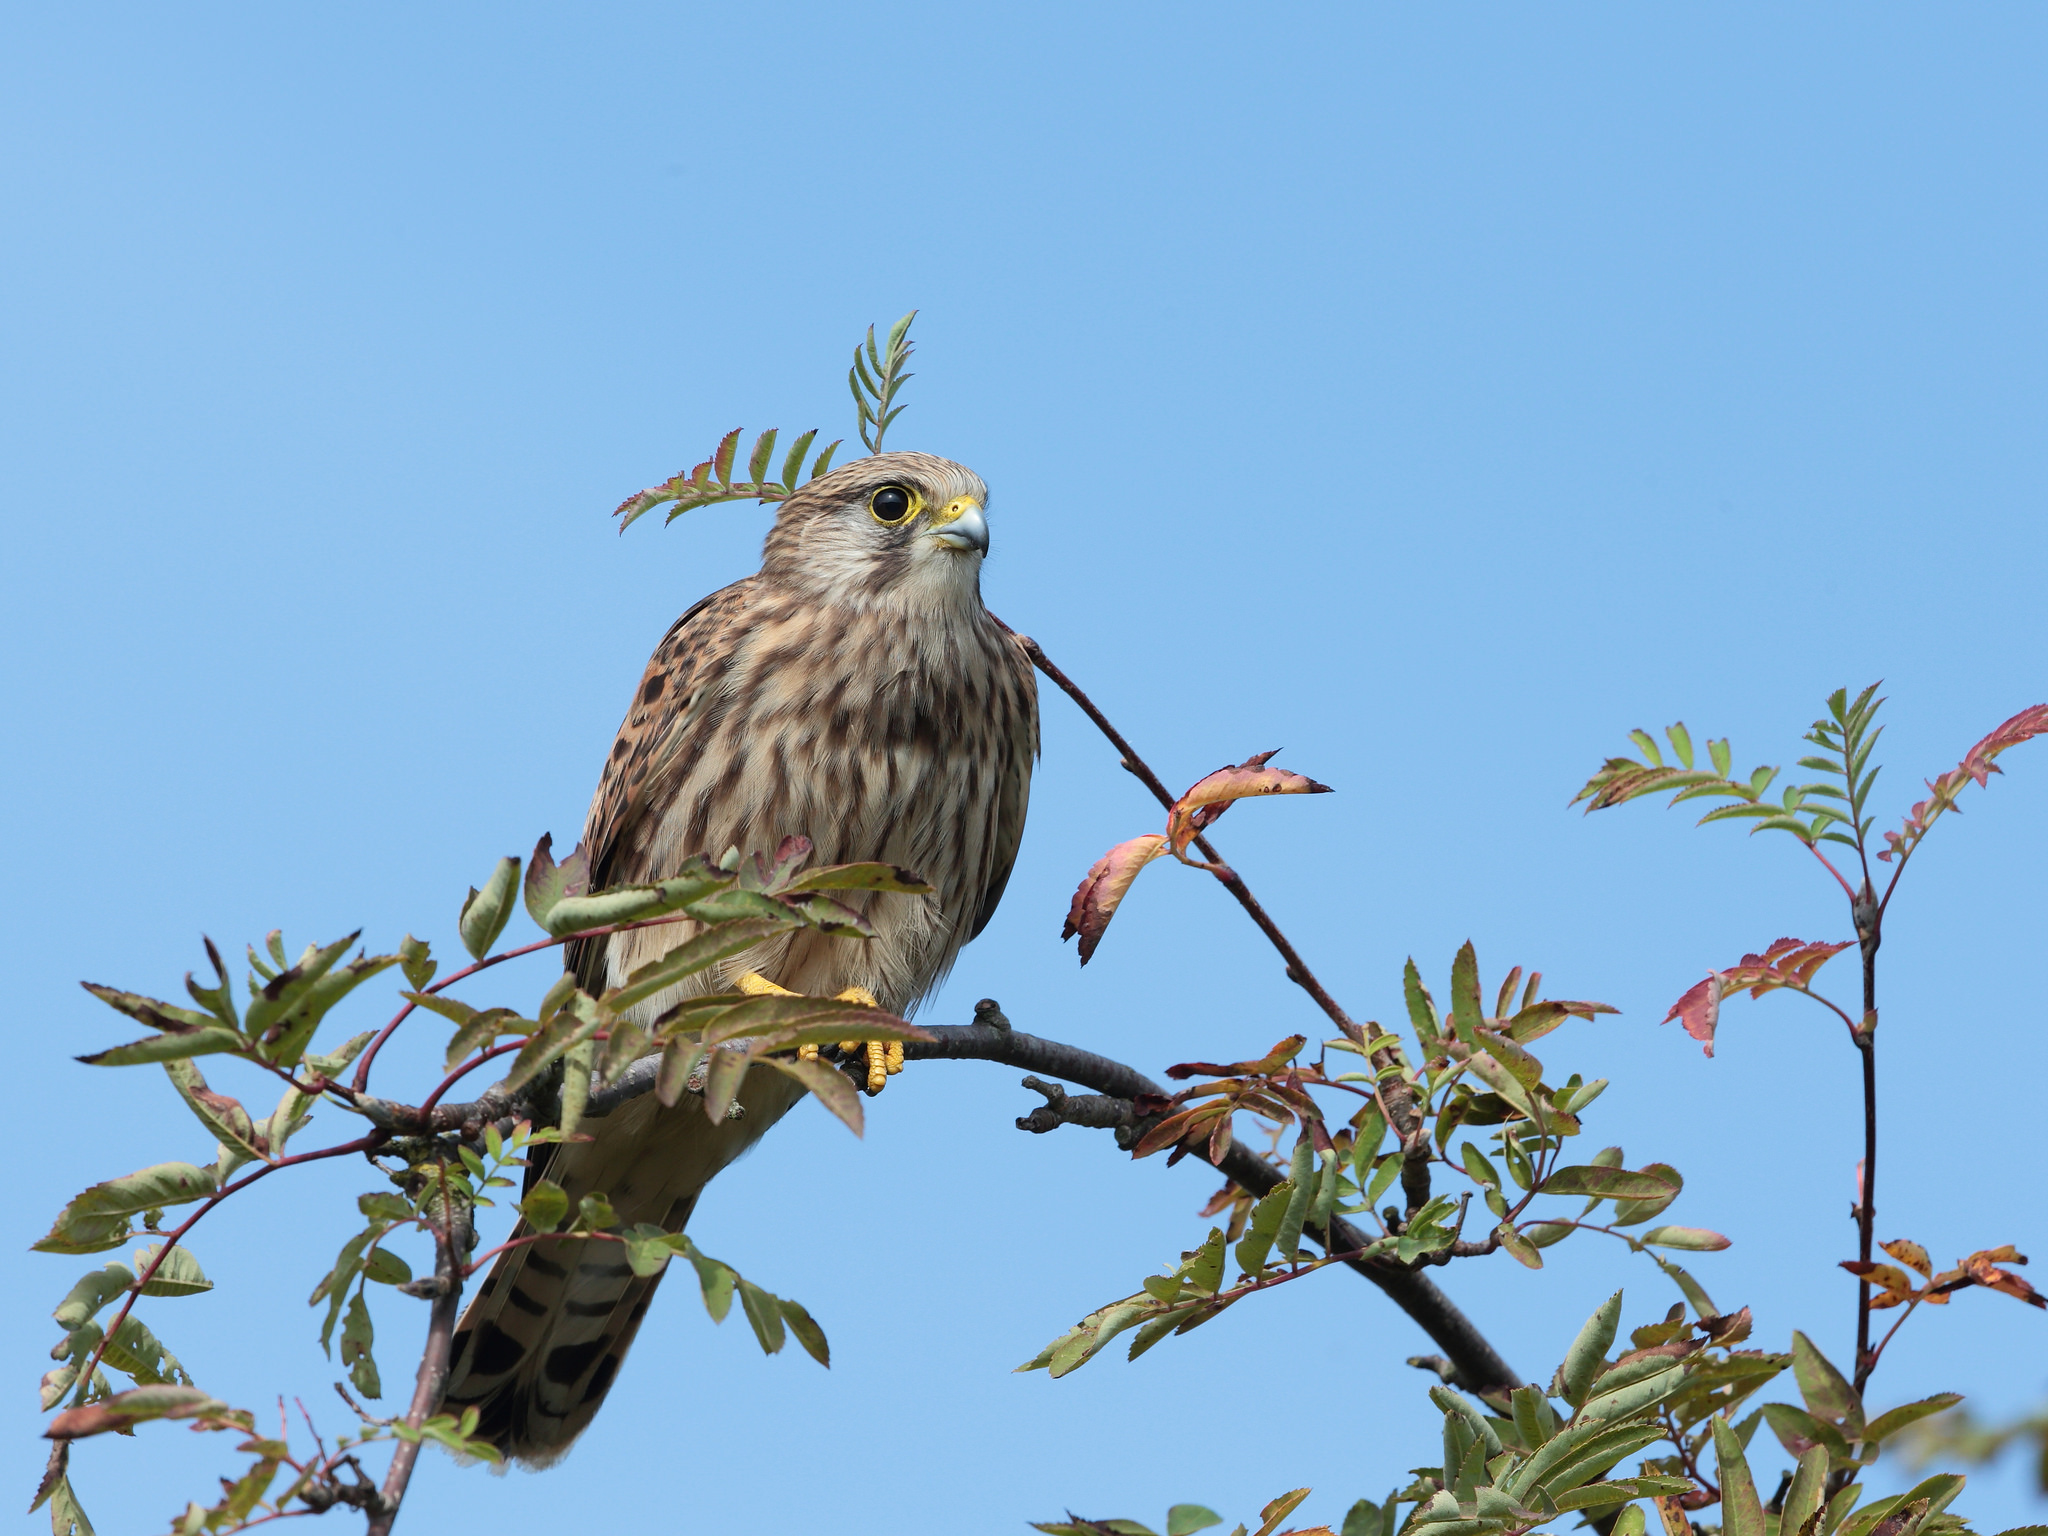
(906, 528)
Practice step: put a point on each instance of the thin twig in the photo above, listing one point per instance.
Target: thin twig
(1297, 968)
(361, 1081)
(367, 1143)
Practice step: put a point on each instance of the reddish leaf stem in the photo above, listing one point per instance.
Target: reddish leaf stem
(1814, 849)
(361, 1081)
(468, 1067)
(482, 1259)
(362, 1144)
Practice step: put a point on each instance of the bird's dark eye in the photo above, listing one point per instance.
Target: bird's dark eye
(892, 504)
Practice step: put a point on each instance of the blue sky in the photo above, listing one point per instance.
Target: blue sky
(1436, 392)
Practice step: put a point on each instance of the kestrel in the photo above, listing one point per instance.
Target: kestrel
(854, 691)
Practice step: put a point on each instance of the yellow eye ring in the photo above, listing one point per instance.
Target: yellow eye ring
(894, 505)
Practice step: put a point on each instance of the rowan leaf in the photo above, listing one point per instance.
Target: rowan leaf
(1103, 889)
(1215, 793)
(98, 1219)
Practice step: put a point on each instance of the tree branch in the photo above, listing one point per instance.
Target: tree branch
(1479, 1365)
(450, 1240)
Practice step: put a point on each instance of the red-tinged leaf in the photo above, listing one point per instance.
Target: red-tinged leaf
(1980, 1269)
(1217, 792)
(124, 1409)
(1787, 963)
(1699, 1011)
(1219, 1140)
(1976, 767)
(1166, 1132)
(721, 459)
(1281, 1054)
(1102, 889)
(1271, 1516)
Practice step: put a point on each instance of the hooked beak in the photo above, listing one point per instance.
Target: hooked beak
(960, 525)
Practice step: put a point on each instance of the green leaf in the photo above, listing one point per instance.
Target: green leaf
(1303, 1177)
(1742, 1512)
(594, 1213)
(647, 1248)
(765, 1316)
(1893, 1420)
(632, 903)
(386, 1268)
(832, 1087)
(862, 877)
(577, 1063)
(479, 1028)
(1260, 1230)
(224, 1117)
(1422, 1012)
(1477, 1166)
(547, 882)
(824, 462)
(1695, 1239)
(1588, 1353)
(1628, 1212)
(1797, 1430)
(93, 1291)
(566, 1031)
(1635, 1397)
(1827, 1393)
(1519, 1247)
(807, 1331)
(198, 1042)
(1467, 1011)
(485, 912)
(334, 1286)
(286, 1012)
(793, 465)
(698, 953)
(757, 461)
(98, 1218)
(168, 1017)
(1607, 1184)
(1362, 1519)
(1535, 1420)
(414, 959)
(716, 1280)
(357, 1335)
(1702, 1303)
(1807, 1492)
(1384, 1173)
(178, 1275)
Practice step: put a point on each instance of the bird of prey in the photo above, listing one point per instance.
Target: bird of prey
(856, 692)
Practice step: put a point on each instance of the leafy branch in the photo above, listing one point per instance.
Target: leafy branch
(711, 482)
(875, 377)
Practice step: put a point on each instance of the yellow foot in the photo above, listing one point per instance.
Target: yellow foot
(885, 1057)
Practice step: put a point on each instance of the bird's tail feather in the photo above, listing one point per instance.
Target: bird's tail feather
(538, 1348)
